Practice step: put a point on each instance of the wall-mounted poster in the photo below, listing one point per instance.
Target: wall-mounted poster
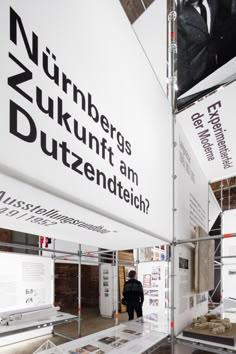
(25, 281)
(154, 276)
(147, 278)
(106, 290)
(156, 253)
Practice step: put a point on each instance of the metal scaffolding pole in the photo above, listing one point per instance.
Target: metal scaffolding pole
(54, 258)
(194, 240)
(79, 291)
(116, 288)
(219, 257)
(144, 7)
(172, 55)
(221, 226)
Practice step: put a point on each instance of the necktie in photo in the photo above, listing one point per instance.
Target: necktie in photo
(203, 10)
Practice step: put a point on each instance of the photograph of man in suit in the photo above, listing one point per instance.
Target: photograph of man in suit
(197, 47)
(206, 39)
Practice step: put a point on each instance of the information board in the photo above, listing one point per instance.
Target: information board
(25, 281)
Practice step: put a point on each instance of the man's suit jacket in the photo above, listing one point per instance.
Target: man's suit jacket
(225, 32)
(193, 45)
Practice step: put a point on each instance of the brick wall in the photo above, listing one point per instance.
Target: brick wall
(90, 285)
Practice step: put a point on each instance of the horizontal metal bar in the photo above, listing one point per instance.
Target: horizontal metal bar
(98, 252)
(194, 240)
(218, 257)
(34, 248)
(37, 248)
(225, 188)
(63, 335)
(66, 258)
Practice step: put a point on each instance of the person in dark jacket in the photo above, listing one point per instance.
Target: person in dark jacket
(133, 295)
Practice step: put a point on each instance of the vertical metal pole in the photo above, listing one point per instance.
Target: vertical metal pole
(172, 299)
(208, 209)
(79, 292)
(221, 231)
(143, 4)
(117, 289)
(53, 278)
(54, 270)
(172, 56)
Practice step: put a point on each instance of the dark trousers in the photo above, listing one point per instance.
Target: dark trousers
(134, 306)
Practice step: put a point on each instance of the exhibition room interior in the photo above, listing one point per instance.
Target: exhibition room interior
(118, 171)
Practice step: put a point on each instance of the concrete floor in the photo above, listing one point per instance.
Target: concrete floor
(91, 323)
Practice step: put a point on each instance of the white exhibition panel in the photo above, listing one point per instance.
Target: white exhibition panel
(214, 208)
(28, 209)
(151, 30)
(191, 195)
(106, 289)
(191, 190)
(211, 129)
(229, 249)
(25, 281)
(229, 222)
(153, 276)
(85, 117)
(188, 305)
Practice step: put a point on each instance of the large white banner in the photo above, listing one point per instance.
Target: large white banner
(209, 126)
(28, 209)
(151, 30)
(83, 115)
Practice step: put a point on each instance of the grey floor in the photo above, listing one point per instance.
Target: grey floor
(91, 323)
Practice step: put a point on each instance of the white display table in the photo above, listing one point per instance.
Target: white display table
(131, 337)
(225, 311)
(59, 318)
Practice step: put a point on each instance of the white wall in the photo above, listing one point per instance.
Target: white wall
(192, 209)
(229, 249)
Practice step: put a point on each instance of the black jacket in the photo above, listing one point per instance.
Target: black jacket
(196, 50)
(133, 291)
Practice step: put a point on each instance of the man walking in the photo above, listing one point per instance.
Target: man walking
(133, 295)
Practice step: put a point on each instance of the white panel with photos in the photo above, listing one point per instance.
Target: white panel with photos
(25, 281)
(153, 276)
(106, 290)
